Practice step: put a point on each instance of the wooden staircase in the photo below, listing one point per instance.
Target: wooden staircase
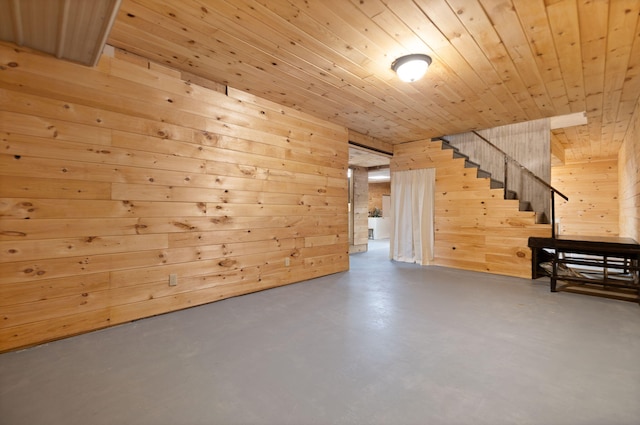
(494, 183)
(475, 227)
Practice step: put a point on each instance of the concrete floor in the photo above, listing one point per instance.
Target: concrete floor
(385, 343)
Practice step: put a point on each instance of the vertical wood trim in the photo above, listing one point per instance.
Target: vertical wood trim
(104, 33)
(62, 28)
(360, 209)
(629, 179)
(17, 22)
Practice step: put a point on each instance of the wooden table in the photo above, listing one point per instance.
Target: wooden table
(605, 266)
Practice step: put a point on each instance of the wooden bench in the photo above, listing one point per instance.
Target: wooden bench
(604, 266)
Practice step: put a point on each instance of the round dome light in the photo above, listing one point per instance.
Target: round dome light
(411, 68)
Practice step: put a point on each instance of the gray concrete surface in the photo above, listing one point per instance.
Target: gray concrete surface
(385, 343)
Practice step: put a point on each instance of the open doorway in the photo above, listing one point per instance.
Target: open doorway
(369, 192)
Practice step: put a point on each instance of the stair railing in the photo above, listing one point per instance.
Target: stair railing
(509, 159)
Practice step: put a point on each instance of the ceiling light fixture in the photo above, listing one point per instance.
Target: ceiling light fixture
(411, 67)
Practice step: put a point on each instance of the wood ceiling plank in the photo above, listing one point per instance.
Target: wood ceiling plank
(533, 17)
(622, 26)
(362, 94)
(320, 28)
(214, 68)
(631, 83)
(623, 20)
(593, 17)
(382, 46)
(225, 44)
(631, 86)
(494, 102)
(363, 34)
(584, 142)
(293, 31)
(507, 24)
(563, 19)
(447, 89)
(609, 116)
(391, 95)
(323, 49)
(453, 101)
(408, 102)
(469, 29)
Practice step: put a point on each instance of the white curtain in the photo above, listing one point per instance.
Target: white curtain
(412, 215)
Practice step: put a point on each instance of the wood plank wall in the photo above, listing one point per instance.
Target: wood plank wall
(592, 189)
(376, 190)
(475, 229)
(360, 178)
(115, 177)
(629, 179)
(529, 143)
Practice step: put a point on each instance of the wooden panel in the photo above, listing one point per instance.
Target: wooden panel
(13, 294)
(360, 209)
(592, 209)
(629, 179)
(115, 177)
(54, 328)
(23, 187)
(376, 190)
(89, 245)
(475, 228)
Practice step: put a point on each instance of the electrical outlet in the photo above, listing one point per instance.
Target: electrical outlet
(173, 279)
(287, 261)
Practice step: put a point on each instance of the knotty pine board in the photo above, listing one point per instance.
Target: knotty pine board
(629, 180)
(116, 176)
(592, 188)
(360, 209)
(376, 191)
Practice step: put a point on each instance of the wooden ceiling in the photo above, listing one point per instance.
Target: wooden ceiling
(495, 62)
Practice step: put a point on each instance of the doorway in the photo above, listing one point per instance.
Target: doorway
(369, 181)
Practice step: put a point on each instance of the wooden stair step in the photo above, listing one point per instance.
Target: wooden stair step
(525, 206)
(470, 164)
(482, 174)
(494, 184)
